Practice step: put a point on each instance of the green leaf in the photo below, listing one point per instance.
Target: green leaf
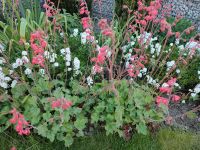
(46, 116)
(80, 122)
(23, 28)
(94, 117)
(42, 130)
(141, 128)
(68, 140)
(19, 90)
(119, 115)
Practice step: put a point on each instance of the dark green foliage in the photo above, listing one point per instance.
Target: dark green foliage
(189, 77)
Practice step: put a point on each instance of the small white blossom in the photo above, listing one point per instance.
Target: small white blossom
(25, 59)
(69, 69)
(89, 81)
(15, 65)
(42, 71)
(19, 62)
(62, 51)
(56, 64)
(28, 71)
(76, 63)
(75, 33)
(7, 78)
(178, 71)
(24, 53)
(2, 60)
(14, 82)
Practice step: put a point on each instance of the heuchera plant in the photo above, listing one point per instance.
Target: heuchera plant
(128, 80)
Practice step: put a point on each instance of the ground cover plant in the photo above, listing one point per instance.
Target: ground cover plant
(61, 80)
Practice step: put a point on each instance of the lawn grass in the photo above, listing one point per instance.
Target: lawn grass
(165, 139)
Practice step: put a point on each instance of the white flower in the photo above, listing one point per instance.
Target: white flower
(89, 81)
(19, 62)
(177, 41)
(15, 65)
(2, 60)
(132, 43)
(197, 89)
(24, 53)
(68, 63)
(42, 71)
(158, 48)
(198, 72)
(62, 51)
(109, 53)
(192, 45)
(7, 78)
(14, 82)
(56, 64)
(69, 69)
(28, 71)
(75, 33)
(144, 70)
(178, 71)
(68, 57)
(62, 34)
(193, 94)
(181, 47)
(171, 44)
(25, 59)
(47, 54)
(183, 101)
(4, 85)
(170, 64)
(67, 50)
(76, 63)
(140, 75)
(152, 50)
(83, 38)
(11, 72)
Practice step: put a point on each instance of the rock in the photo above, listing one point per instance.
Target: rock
(190, 9)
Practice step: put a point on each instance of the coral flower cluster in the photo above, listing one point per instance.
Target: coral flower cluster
(100, 59)
(106, 30)
(137, 65)
(49, 7)
(61, 103)
(22, 126)
(167, 89)
(38, 45)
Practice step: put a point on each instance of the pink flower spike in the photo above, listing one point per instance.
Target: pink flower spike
(171, 82)
(175, 98)
(161, 100)
(165, 90)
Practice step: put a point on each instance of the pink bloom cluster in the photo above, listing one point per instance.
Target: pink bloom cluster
(61, 103)
(167, 89)
(38, 49)
(100, 59)
(22, 126)
(49, 7)
(86, 21)
(105, 29)
(151, 12)
(136, 65)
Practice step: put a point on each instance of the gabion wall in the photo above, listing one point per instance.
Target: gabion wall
(190, 9)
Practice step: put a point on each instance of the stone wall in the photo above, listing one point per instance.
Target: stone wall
(190, 9)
